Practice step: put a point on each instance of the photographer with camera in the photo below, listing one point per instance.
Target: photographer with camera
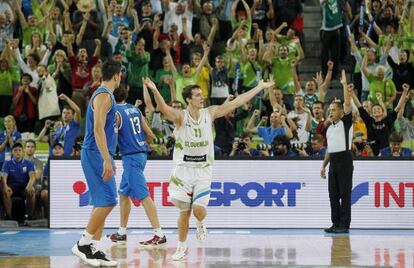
(360, 146)
(48, 132)
(281, 147)
(278, 126)
(316, 147)
(243, 146)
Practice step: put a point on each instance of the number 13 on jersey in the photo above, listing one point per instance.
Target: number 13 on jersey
(135, 123)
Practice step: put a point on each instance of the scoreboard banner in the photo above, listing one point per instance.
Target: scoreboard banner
(251, 194)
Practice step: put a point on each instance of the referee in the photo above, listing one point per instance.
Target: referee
(339, 139)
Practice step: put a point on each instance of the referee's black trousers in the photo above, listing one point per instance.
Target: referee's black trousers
(340, 188)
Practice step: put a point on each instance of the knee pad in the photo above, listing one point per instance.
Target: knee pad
(181, 205)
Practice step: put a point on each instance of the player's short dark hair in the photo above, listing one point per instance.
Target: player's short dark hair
(120, 94)
(188, 92)
(17, 145)
(109, 69)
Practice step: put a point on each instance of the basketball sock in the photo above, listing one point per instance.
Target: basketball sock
(182, 244)
(158, 232)
(86, 239)
(122, 231)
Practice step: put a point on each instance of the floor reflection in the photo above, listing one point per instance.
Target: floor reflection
(227, 251)
(341, 251)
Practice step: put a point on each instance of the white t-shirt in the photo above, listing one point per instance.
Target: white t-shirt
(171, 18)
(302, 133)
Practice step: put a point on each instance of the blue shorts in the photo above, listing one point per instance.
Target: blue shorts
(133, 182)
(103, 193)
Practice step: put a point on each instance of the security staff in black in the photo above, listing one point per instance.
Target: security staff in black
(339, 140)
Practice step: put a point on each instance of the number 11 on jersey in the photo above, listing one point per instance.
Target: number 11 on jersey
(197, 132)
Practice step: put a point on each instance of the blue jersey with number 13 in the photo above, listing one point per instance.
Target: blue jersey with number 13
(131, 136)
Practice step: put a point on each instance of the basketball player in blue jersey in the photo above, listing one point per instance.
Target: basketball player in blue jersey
(133, 132)
(97, 163)
(190, 182)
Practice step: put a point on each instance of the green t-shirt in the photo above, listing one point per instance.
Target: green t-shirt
(27, 34)
(386, 87)
(6, 81)
(407, 38)
(235, 24)
(180, 83)
(137, 67)
(290, 43)
(164, 88)
(235, 58)
(282, 71)
(251, 71)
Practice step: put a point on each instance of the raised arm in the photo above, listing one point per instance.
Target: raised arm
(156, 34)
(405, 96)
(323, 88)
(220, 110)
(364, 68)
(82, 29)
(247, 8)
(251, 124)
(97, 51)
(68, 42)
(351, 40)
(68, 27)
(170, 59)
(74, 106)
(203, 60)
(147, 98)
(280, 29)
(348, 89)
(19, 13)
(285, 125)
(369, 40)
(107, 28)
(213, 31)
(171, 114)
(233, 10)
(270, 12)
(356, 100)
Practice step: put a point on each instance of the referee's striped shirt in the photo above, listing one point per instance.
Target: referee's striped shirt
(339, 135)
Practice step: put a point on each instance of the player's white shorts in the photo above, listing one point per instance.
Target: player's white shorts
(191, 184)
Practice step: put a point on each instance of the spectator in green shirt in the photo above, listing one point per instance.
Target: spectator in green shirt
(282, 70)
(379, 84)
(137, 69)
(186, 77)
(162, 79)
(8, 75)
(30, 25)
